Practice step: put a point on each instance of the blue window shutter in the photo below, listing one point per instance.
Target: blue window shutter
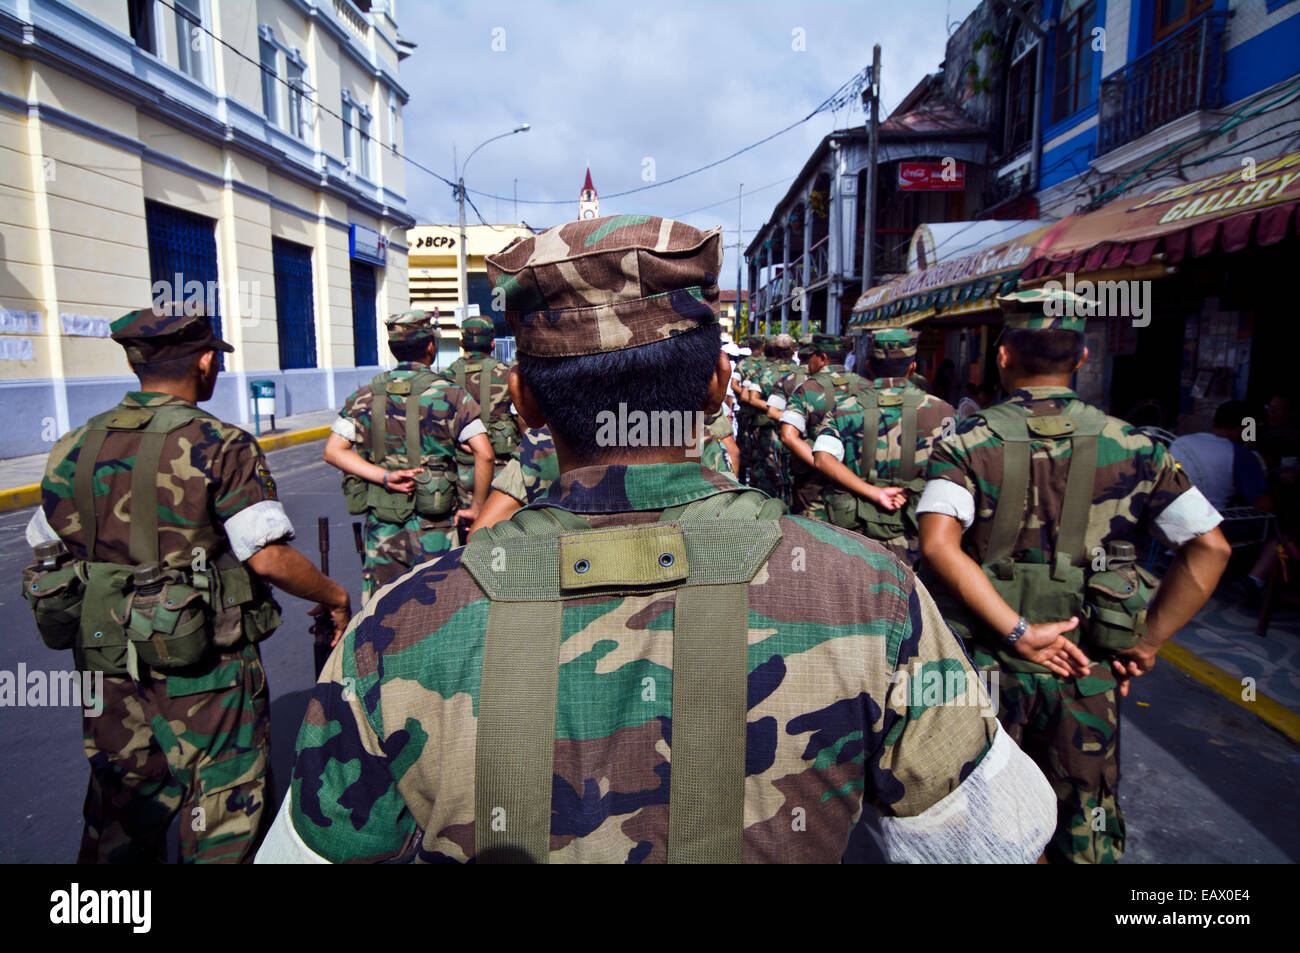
(295, 308)
(182, 243)
(365, 344)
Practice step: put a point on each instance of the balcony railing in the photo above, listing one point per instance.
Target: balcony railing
(1181, 75)
(352, 18)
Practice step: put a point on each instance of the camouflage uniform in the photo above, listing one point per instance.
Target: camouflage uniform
(713, 453)
(1069, 726)
(448, 414)
(476, 336)
(772, 475)
(389, 749)
(840, 435)
(533, 469)
(750, 370)
(192, 741)
(807, 407)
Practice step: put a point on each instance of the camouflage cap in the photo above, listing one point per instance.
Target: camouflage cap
(890, 343)
(1045, 309)
(477, 332)
(606, 284)
(412, 326)
(166, 332)
(784, 342)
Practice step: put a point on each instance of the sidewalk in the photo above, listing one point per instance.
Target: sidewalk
(20, 476)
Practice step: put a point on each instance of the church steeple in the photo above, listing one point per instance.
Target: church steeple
(588, 203)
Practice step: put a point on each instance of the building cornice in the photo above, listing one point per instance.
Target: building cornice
(30, 41)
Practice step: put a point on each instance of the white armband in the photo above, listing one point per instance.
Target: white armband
(345, 428)
(946, 497)
(257, 526)
(829, 443)
(1003, 813)
(472, 429)
(795, 420)
(39, 529)
(1188, 516)
(283, 845)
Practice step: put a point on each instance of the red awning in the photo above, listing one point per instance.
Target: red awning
(1226, 212)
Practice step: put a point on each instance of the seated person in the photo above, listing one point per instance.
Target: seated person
(1218, 463)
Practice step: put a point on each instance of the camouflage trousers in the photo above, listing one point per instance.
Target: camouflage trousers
(807, 497)
(771, 470)
(465, 479)
(1071, 731)
(393, 548)
(193, 744)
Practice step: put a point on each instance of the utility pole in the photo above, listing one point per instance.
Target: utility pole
(740, 198)
(869, 226)
(516, 218)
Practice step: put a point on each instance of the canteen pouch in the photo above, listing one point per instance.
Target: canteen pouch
(169, 629)
(437, 497)
(1117, 601)
(246, 608)
(104, 613)
(504, 434)
(388, 506)
(56, 596)
(1031, 590)
(356, 493)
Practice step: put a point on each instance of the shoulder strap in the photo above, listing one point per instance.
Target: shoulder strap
(907, 461)
(1009, 424)
(515, 745)
(485, 390)
(1079, 480)
(153, 425)
(870, 431)
(379, 418)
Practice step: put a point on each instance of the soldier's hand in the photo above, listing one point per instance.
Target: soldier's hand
(402, 481)
(467, 516)
(1134, 662)
(1046, 644)
(889, 497)
(339, 617)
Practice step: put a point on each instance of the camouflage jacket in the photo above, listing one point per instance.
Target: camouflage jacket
(840, 432)
(813, 400)
(385, 758)
(498, 388)
(713, 453)
(448, 415)
(533, 469)
(215, 492)
(1137, 481)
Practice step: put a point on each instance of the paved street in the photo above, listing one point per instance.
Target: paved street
(1203, 780)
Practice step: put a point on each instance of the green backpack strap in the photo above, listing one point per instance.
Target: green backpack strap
(869, 399)
(83, 486)
(514, 750)
(485, 390)
(1009, 424)
(379, 419)
(907, 461)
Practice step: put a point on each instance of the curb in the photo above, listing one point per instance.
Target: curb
(1229, 686)
(20, 497)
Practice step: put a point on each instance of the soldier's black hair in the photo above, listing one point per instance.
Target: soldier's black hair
(407, 351)
(890, 366)
(478, 348)
(1054, 351)
(174, 371)
(670, 375)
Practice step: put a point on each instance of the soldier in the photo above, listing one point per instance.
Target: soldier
(807, 407)
(747, 415)
(905, 423)
(408, 493)
(772, 473)
(152, 504)
(522, 480)
(596, 698)
(1029, 518)
(483, 377)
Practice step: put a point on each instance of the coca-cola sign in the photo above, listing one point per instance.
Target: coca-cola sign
(946, 176)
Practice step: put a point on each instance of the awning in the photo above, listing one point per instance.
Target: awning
(961, 285)
(1259, 203)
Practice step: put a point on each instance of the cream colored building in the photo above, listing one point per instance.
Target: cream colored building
(435, 273)
(249, 148)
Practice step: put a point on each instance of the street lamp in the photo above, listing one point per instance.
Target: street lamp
(460, 195)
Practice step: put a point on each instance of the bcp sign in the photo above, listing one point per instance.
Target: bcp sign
(949, 176)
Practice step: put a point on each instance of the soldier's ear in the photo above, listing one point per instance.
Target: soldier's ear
(205, 363)
(1004, 357)
(719, 384)
(525, 403)
(1082, 357)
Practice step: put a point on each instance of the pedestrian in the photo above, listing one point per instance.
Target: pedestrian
(159, 532)
(483, 377)
(873, 445)
(1029, 521)
(402, 475)
(594, 697)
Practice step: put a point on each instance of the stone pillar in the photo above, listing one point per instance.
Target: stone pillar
(806, 272)
(785, 273)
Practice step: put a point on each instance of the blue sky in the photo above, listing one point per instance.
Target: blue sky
(621, 83)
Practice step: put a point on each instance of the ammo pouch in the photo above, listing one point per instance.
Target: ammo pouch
(169, 628)
(438, 496)
(356, 493)
(55, 596)
(504, 434)
(1116, 610)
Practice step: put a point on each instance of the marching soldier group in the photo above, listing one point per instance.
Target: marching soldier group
(613, 668)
